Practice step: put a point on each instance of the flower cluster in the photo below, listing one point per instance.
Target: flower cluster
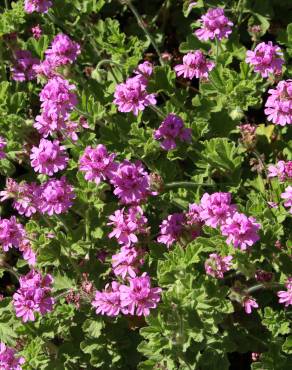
(97, 164)
(23, 69)
(8, 358)
(49, 157)
(214, 210)
(285, 296)
(137, 298)
(36, 32)
(131, 183)
(52, 196)
(127, 225)
(172, 128)
(11, 233)
(171, 229)
(34, 295)
(282, 170)
(279, 104)
(2, 147)
(40, 6)
(266, 59)
(214, 25)
(132, 95)
(195, 64)
(58, 100)
(62, 51)
(249, 304)
(216, 265)
(127, 262)
(287, 196)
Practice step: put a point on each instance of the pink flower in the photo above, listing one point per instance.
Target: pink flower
(23, 69)
(58, 91)
(127, 261)
(11, 233)
(139, 297)
(194, 64)
(172, 128)
(108, 302)
(97, 164)
(279, 104)
(193, 220)
(216, 265)
(249, 304)
(144, 69)
(127, 225)
(33, 296)
(171, 229)
(287, 196)
(131, 183)
(62, 51)
(214, 24)
(131, 96)
(8, 358)
(40, 6)
(36, 32)
(51, 120)
(286, 295)
(56, 196)
(49, 157)
(216, 208)
(2, 147)
(282, 170)
(241, 231)
(24, 195)
(27, 252)
(266, 59)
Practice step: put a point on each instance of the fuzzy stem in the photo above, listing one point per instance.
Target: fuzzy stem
(107, 61)
(143, 27)
(257, 287)
(157, 111)
(185, 184)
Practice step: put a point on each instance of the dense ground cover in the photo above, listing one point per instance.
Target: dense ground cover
(146, 195)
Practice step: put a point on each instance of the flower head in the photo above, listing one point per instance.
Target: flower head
(11, 233)
(23, 69)
(62, 50)
(40, 6)
(131, 183)
(241, 231)
(108, 302)
(49, 157)
(36, 32)
(171, 229)
(214, 24)
(8, 358)
(194, 64)
(139, 297)
(282, 170)
(279, 104)
(127, 225)
(171, 129)
(34, 295)
(287, 196)
(216, 208)
(216, 265)
(266, 59)
(131, 96)
(2, 147)
(285, 296)
(127, 262)
(97, 164)
(56, 196)
(249, 304)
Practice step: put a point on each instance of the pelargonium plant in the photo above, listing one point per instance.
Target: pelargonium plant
(145, 191)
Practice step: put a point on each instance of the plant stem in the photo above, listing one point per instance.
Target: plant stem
(185, 184)
(257, 287)
(10, 269)
(157, 111)
(142, 25)
(107, 61)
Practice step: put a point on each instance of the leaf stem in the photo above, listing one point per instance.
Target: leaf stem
(157, 111)
(185, 184)
(143, 27)
(257, 287)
